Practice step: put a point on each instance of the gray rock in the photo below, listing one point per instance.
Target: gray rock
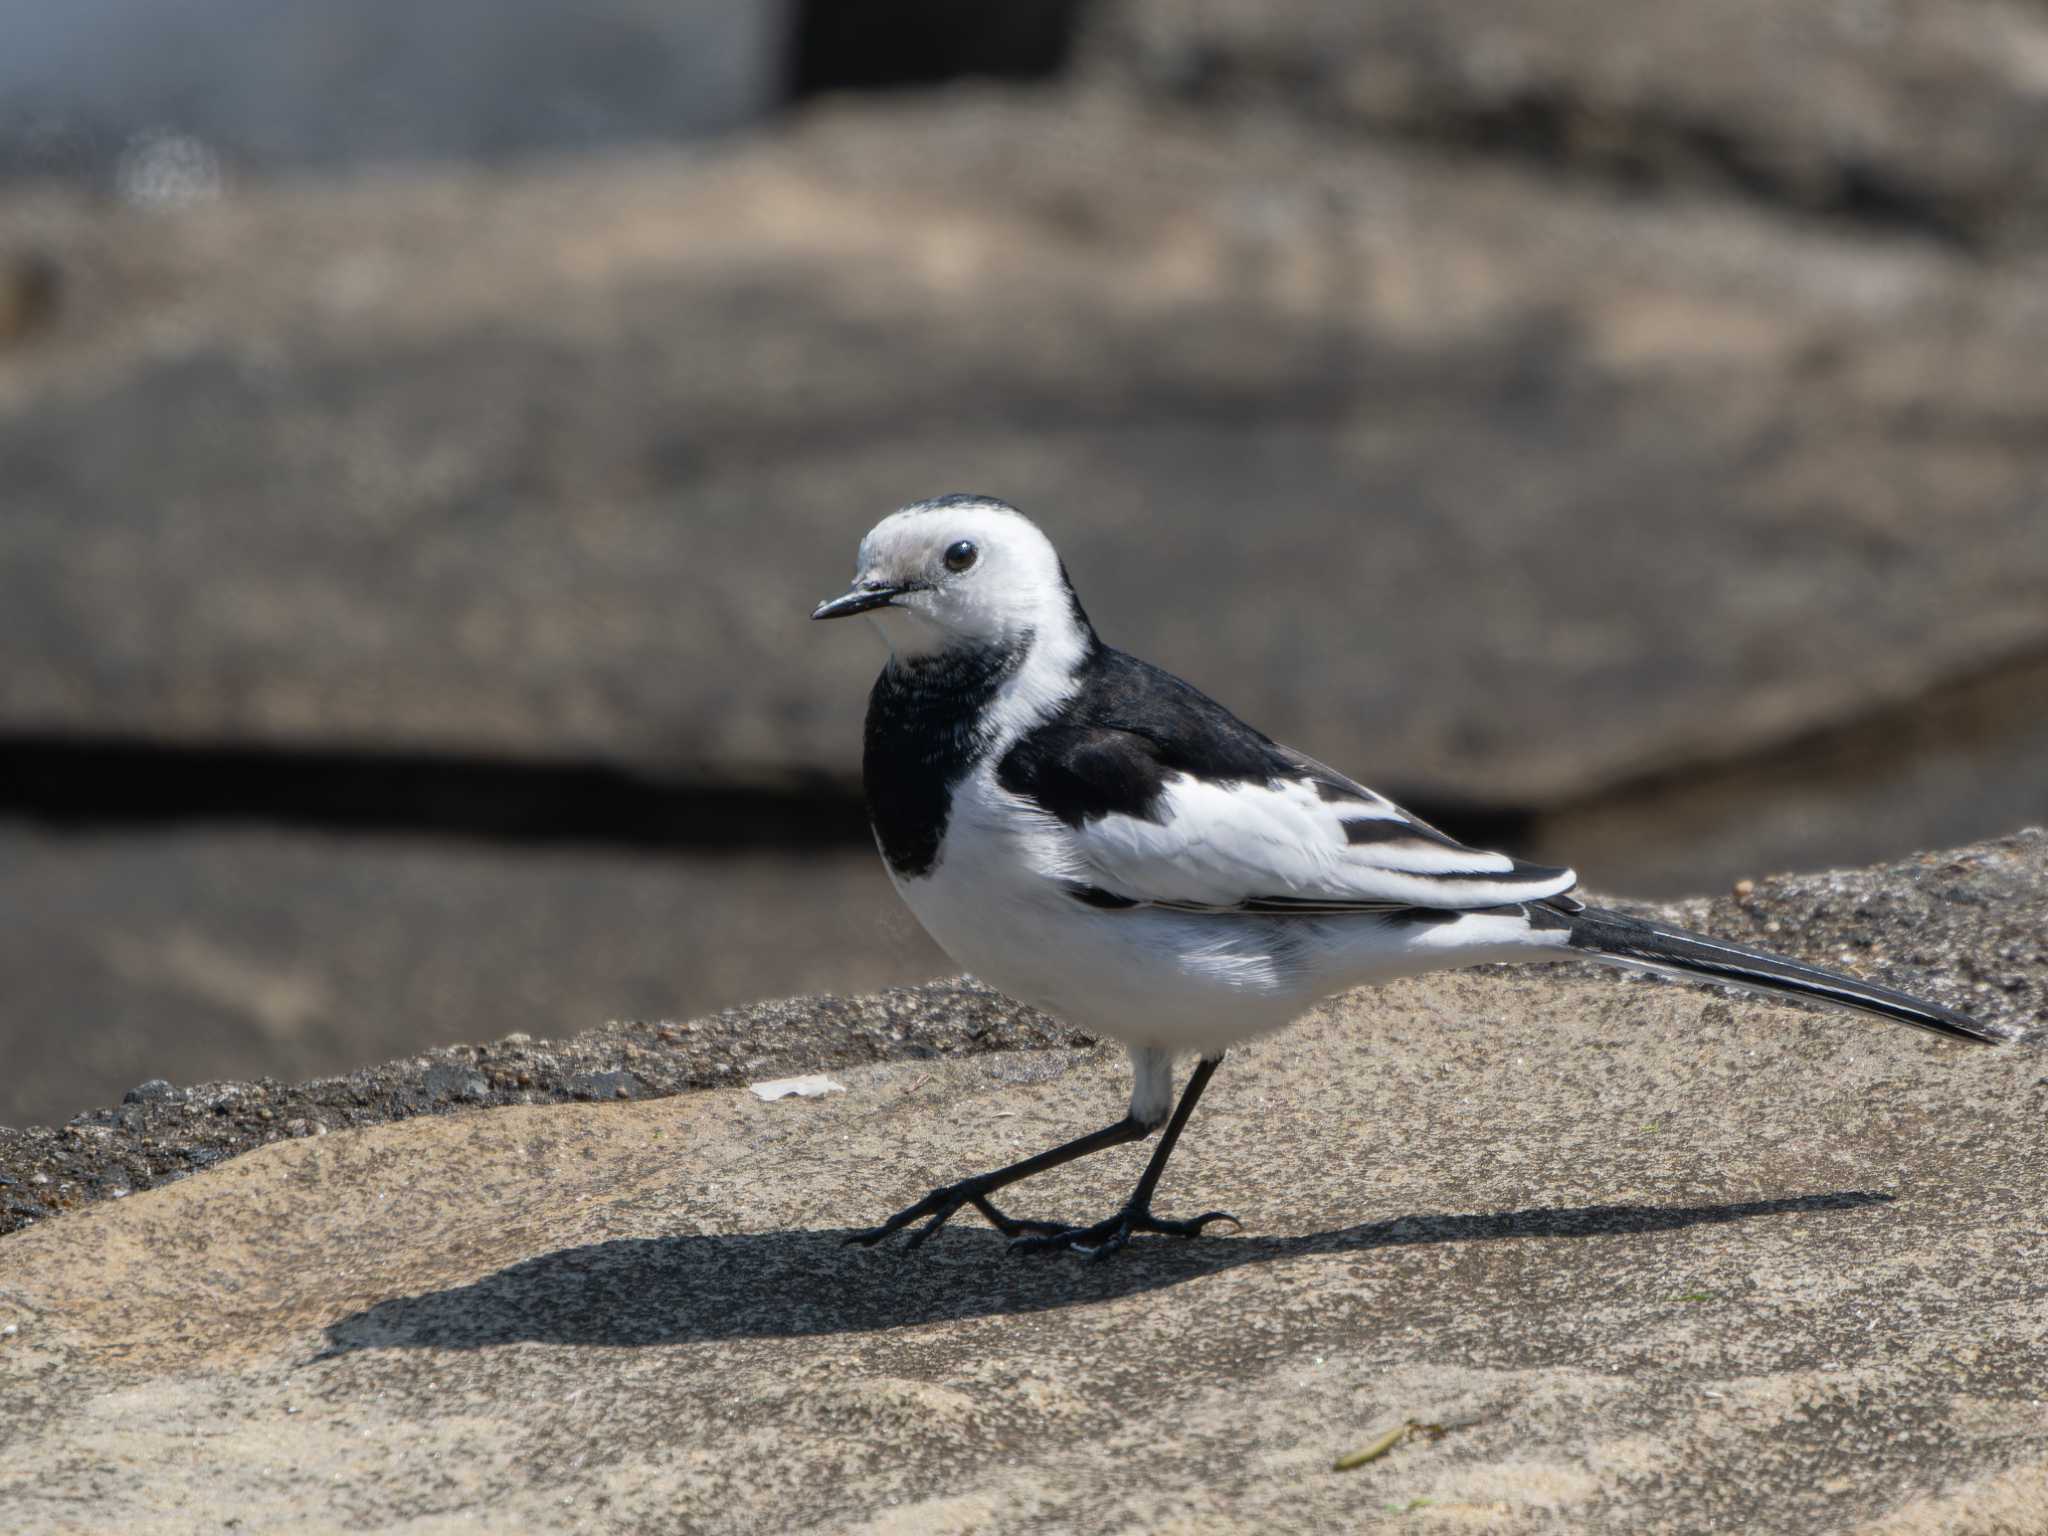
(1458, 476)
(605, 1085)
(1917, 115)
(1628, 1256)
(453, 1084)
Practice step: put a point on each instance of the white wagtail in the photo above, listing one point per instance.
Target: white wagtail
(1090, 834)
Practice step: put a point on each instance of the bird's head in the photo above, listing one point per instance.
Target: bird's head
(962, 571)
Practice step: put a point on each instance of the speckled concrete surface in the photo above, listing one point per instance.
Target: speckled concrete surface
(1654, 1259)
(162, 1132)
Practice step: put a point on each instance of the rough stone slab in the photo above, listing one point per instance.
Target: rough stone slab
(1652, 1308)
(1655, 1260)
(208, 953)
(1462, 477)
(162, 1132)
(1917, 114)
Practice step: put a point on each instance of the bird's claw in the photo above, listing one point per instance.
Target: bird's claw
(1108, 1237)
(941, 1206)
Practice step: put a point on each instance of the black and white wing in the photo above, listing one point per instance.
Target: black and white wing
(1166, 799)
(1290, 845)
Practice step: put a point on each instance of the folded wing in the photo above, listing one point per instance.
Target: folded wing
(1295, 837)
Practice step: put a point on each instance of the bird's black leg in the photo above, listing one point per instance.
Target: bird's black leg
(1106, 1237)
(941, 1204)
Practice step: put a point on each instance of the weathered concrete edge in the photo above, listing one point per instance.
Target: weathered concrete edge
(162, 1132)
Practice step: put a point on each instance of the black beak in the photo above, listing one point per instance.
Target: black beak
(859, 600)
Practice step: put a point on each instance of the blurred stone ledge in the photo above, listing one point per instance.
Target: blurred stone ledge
(1920, 116)
(1453, 473)
(1968, 927)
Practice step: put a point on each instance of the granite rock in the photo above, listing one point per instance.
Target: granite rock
(1627, 1256)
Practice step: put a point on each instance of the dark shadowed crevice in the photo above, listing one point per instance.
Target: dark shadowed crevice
(103, 783)
(88, 783)
(108, 783)
(892, 44)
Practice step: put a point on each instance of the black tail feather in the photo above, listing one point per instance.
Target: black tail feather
(1615, 938)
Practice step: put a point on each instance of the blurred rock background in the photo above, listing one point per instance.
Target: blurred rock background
(1622, 432)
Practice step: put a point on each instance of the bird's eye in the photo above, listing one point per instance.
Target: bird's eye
(961, 555)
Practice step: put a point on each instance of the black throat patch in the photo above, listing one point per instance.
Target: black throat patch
(925, 731)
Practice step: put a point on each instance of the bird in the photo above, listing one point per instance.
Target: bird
(1089, 834)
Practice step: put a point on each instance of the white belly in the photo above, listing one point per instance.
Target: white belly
(996, 903)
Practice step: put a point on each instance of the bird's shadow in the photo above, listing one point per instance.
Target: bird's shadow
(791, 1284)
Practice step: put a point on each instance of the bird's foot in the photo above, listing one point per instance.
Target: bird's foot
(940, 1207)
(1106, 1237)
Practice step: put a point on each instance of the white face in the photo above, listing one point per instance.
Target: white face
(977, 572)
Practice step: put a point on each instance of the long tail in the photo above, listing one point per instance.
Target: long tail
(1615, 938)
